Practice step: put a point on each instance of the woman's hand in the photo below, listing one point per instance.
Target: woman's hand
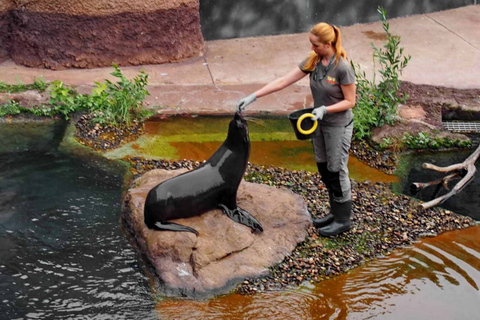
(319, 113)
(242, 104)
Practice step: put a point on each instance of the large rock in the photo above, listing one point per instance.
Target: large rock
(93, 33)
(225, 252)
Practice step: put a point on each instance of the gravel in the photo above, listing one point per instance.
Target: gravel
(382, 222)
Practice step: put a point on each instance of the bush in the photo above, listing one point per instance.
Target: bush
(110, 103)
(119, 102)
(377, 103)
(10, 108)
(424, 141)
(38, 84)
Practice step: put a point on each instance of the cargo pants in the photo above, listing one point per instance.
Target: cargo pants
(332, 146)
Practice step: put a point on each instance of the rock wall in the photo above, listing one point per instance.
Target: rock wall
(60, 34)
(5, 6)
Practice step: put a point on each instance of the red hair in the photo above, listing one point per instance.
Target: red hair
(327, 34)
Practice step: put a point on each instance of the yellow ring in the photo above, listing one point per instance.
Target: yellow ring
(299, 124)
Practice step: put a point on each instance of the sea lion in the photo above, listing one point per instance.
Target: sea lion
(210, 186)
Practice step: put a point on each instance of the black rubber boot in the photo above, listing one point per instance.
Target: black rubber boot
(325, 221)
(341, 222)
(323, 170)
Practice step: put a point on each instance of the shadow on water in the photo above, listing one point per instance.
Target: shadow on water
(31, 135)
(246, 18)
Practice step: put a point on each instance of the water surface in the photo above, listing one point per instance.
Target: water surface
(273, 143)
(466, 202)
(62, 253)
(438, 278)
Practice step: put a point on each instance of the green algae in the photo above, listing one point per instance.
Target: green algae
(158, 147)
(273, 143)
(149, 147)
(30, 135)
(70, 145)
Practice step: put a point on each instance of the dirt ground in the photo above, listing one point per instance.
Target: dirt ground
(427, 107)
(425, 94)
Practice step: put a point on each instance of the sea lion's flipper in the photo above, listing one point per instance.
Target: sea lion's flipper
(241, 216)
(171, 226)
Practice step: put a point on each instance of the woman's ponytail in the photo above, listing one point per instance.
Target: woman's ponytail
(337, 43)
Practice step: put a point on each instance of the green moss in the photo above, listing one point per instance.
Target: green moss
(194, 137)
(270, 129)
(268, 125)
(363, 242)
(403, 168)
(146, 147)
(330, 244)
(160, 147)
(259, 177)
(179, 126)
(70, 145)
(272, 136)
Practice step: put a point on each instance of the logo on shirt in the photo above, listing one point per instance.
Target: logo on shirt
(331, 80)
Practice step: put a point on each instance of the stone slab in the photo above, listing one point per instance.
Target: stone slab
(225, 252)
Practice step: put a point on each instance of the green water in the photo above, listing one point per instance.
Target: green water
(273, 143)
(31, 135)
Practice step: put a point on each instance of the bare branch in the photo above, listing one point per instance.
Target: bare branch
(466, 169)
(453, 167)
(417, 186)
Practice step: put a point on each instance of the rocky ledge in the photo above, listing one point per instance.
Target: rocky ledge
(58, 34)
(225, 252)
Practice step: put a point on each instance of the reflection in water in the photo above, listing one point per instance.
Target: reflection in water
(62, 253)
(438, 278)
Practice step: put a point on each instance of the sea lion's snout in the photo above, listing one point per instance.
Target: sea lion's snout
(238, 116)
(240, 120)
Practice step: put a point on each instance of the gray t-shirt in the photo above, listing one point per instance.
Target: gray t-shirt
(328, 91)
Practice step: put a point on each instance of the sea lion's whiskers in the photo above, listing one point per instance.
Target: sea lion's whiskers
(256, 120)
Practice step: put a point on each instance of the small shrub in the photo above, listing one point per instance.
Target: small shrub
(110, 103)
(38, 84)
(377, 103)
(62, 100)
(10, 108)
(386, 143)
(119, 102)
(423, 141)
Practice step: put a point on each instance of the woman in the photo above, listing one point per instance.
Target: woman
(332, 82)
